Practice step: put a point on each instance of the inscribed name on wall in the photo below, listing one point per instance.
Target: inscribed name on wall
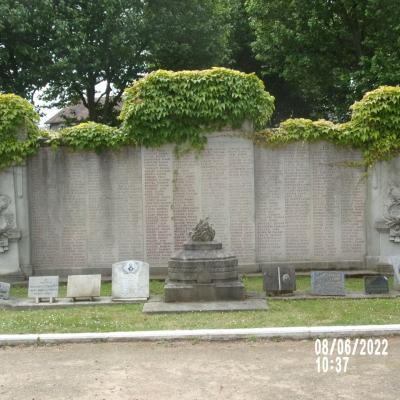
(309, 203)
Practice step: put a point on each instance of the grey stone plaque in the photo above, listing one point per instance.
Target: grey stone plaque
(4, 290)
(376, 285)
(279, 280)
(130, 280)
(43, 287)
(84, 286)
(327, 283)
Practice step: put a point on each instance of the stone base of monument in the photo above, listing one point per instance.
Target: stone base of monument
(215, 291)
(203, 271)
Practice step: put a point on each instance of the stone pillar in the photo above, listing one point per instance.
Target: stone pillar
(383, 214)
(14, 225)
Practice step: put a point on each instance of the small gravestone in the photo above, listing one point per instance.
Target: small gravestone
(327, 283)
(43, 287)
(376, 285)
(4, 290)
(83, 286)
(279, 280)
(130, 280)
(395, 261)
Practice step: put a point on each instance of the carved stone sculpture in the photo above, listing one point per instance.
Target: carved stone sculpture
(392, 216)
(6, 222)
(203, 232)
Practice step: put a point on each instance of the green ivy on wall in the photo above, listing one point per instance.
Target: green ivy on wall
(374, 127)
(182, 107)
(18, 130)
(178, 107)
(91, 136)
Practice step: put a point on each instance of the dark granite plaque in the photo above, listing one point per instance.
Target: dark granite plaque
(327, 283)
(4, 290)
(279, 280)
(376, 285)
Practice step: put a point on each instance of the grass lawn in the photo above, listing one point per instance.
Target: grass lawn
(129, 317)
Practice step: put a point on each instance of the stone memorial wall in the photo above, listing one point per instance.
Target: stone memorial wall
(300, 204)
(309, 204)
(86, 210)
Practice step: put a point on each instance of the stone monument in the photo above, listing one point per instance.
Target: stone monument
(4, 290)
(280, 280)
(376, 284)
(327, 283)
(130, 280)
(202, 270)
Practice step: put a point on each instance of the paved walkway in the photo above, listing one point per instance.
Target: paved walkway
(192, 370)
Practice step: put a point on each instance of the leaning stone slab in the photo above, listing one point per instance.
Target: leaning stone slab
(43, 287)
(130, 280)
(4, 290)
(376, 285)
(327, 283)
(83, 286)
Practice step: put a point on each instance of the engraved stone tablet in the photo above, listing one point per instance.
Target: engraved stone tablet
(376, 285)
(85, 286)
(279, 280)
(130, 280)
(4, 290)
(43, 287)
(327, 283)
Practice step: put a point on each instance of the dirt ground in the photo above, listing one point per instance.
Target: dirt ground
(192, 370)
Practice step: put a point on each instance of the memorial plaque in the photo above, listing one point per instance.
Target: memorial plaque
(4, 290)
(327, 283)
(376, 285)
(130, 280)
(43, 287)
(279, 280)
(84, 286)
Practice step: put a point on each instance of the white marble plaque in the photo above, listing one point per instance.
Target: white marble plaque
(4, 290)
(130, 280)
(43, 287)
(84, 286)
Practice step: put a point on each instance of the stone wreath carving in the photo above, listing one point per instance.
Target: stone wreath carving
(6, 222)
(203, 232)
(392, 217)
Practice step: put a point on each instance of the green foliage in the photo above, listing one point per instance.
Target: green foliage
(179, 107)
(375, 123)
(18, 130)
(190, 34)
(330, 52)
(299, 129)
(374, 127)
(92, 136)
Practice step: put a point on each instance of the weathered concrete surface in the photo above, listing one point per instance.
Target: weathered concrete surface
(185, 370)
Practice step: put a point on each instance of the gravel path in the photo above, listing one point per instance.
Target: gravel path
(198, 370)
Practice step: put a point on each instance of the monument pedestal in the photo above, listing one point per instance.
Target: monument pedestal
(203, 271)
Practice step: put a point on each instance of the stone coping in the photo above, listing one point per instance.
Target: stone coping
(278, 333)
(254, 301)
(26, 304)
(347, 296)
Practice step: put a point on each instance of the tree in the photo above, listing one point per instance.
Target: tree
(96, 41)
(25, 45)
(328, 51)
(186, 34)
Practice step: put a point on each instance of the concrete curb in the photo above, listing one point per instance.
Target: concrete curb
(292, 333)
